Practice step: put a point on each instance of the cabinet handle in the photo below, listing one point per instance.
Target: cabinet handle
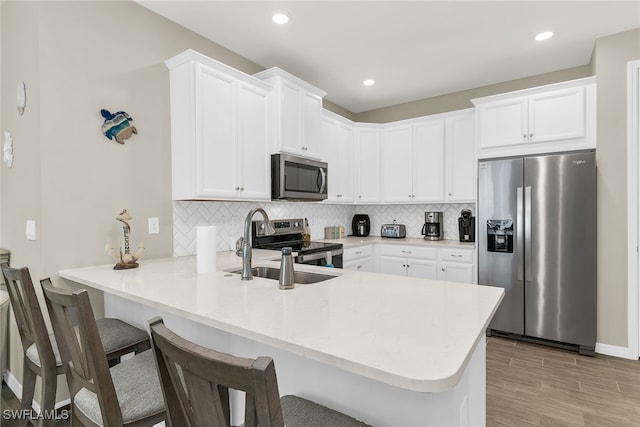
(408, 266)
(524, 136)
(237, 188)
(407, 252)
(241, 188)
(360, 196)
(405, 265)
(456, 255)
(450, 194)
(531, 136)
(443, 269)
(358, 252)
(359, 266)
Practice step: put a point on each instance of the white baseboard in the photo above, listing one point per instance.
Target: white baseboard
(614, 350)
(16, 387)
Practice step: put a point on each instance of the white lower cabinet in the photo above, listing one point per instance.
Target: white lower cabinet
(358, 259)
(408, 261)
(456, 265)
(452, 265)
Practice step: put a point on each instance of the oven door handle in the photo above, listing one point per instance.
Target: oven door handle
(318, 255)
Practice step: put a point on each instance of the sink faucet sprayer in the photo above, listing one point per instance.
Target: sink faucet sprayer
(243, 245)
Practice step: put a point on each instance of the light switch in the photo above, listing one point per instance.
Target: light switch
(31, 230)
(154, 225)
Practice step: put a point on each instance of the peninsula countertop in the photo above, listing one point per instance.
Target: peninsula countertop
(416, 334)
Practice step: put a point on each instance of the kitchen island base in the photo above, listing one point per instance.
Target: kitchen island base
(369, 400)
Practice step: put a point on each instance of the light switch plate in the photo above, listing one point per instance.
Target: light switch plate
(31, 230)
(154, 225)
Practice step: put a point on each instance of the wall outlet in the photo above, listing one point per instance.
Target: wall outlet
(154, 225)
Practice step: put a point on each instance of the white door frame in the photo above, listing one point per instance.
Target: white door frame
(633, 208)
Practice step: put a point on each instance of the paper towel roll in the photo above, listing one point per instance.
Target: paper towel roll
(206, 249)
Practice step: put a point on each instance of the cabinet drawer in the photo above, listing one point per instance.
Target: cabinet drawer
(408, 251)
(456, 255)
(358, 252)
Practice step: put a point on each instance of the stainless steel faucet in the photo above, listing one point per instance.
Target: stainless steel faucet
(243, 245)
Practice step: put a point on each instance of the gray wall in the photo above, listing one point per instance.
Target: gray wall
(610, 60)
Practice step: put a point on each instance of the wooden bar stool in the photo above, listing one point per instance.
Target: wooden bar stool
(128, 394)
(40, 351)
(196, 382)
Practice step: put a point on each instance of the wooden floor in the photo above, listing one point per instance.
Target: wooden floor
(532, 385)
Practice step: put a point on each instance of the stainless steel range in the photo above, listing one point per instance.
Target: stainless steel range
(289, 233)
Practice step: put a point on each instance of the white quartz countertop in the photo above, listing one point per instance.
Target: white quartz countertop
(416, 334)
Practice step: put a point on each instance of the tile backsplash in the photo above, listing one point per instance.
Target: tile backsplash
(229, 217)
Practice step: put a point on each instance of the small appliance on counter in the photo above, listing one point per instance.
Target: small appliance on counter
(467, 226)
(361, 225)
(396, 231)
(433, 228)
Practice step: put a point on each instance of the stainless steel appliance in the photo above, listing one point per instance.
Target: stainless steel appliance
(433, 228)
(537, 240)
(288, 233)
(396, 231)
(360, 225)
(297, 178)
(467, 226)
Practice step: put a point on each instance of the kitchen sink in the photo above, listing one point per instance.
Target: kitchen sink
(299, 277)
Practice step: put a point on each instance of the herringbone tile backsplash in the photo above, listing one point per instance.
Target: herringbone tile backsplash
(229, 217)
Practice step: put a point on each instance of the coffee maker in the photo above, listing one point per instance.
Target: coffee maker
(433, 226)
(467, 226)
(360, 225)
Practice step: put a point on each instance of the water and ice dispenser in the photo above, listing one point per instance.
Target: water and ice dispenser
(500, 235)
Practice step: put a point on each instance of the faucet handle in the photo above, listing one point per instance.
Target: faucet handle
(239, 244)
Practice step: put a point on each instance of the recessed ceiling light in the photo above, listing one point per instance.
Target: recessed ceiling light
(544, 36)
(369, 82)
(280, 18)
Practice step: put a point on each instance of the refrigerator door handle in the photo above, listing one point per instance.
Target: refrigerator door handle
(519, 233)
(527, 234)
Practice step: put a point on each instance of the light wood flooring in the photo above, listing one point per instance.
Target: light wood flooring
(532, 385)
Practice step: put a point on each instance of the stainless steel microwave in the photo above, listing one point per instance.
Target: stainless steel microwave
(297, 178)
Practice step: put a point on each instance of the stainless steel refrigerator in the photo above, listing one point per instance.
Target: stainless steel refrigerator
(537, 240)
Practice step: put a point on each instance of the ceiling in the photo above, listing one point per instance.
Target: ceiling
(413, 50)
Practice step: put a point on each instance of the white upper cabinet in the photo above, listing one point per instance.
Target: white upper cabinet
(461, 163)
(413, 162)
(558, 117)
(219, 131)
(296, 113)
(337, 150)
(367, 163)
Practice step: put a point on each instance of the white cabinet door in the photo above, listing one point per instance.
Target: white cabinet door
(503, 123)
(216, 175)
(455, 272)
(557, 115)
(345, 178)
(337, 150)
(461, 158)
(290, 119)
(393, 265)
(311, 124)
(428, 161)
(367, 165)
(425, 269)
(397, 164)
(253, 156)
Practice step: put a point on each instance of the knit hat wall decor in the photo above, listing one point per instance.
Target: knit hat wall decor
(117, 126)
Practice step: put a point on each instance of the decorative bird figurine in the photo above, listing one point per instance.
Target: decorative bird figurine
(125, 260)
